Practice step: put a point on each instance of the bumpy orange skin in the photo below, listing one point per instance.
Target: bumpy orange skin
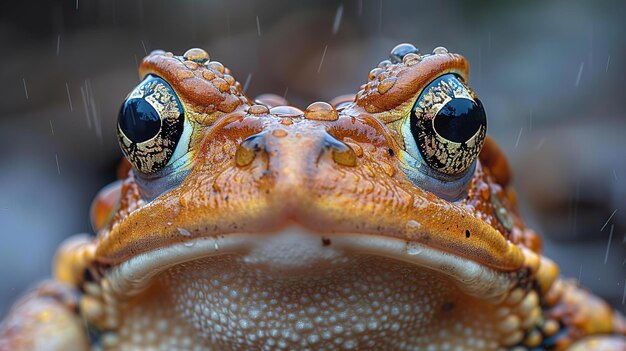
(296, 178)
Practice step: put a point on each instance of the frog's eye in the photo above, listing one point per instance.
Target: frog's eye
(150, 125)
(445, 131)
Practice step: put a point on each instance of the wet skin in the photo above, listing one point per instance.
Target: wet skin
(379, 221)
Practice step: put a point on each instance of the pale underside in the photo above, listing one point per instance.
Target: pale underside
(297, 290)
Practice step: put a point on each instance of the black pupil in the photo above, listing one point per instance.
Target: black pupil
(138, 120)
(460, 119)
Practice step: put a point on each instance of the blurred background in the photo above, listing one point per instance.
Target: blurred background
(550, 74)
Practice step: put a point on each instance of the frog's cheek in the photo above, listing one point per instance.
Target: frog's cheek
(104, 205)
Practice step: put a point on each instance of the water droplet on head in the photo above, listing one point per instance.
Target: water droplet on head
(271, 100)
(440, 50)
(258, 110)
(217, 66)
(191, 65)
(321, 111)
(401, 50)
(386, 84)
(384, 63)
(196, 55)
(221, 85)
(286, 111)
(411, 59)
(374, 73)
(157, 52)
(229, 79)
(208, 75)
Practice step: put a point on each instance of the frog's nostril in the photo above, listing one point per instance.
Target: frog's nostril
(248, 149)
(342, 153)
(321, 111)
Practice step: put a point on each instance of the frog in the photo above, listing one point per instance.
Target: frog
(381, 220)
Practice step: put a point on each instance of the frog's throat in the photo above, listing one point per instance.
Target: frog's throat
(297, 251)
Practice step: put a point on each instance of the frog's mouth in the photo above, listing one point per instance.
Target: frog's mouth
(297, 252)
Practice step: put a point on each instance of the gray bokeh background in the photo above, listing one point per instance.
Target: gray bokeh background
(550, 74)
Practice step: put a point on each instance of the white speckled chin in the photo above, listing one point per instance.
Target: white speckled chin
(300, 290)
(295, 251)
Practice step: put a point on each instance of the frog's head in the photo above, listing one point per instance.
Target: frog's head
(361, 206)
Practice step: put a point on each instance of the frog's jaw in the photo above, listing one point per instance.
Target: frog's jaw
(297, 287)
(296, 251)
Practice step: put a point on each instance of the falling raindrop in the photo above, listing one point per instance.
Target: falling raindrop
(338, 17)
(25, 88)
(608, 245)
(319, 68)
(519, 136)
(69, 97)
(580, 73)
(608, 220)
(540, 143)
(247, 83)
(56, 157)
